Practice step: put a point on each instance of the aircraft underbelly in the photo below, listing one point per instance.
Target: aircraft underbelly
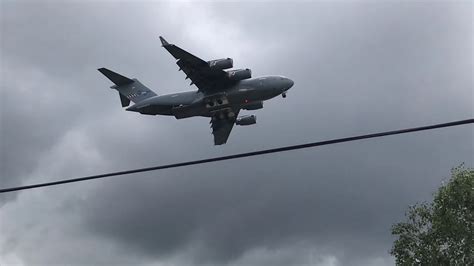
(190, 106)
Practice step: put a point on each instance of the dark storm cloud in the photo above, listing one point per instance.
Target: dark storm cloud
(42, 98)
(358, 68)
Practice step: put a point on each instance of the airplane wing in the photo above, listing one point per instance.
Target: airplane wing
(207, 79)
(221, 128)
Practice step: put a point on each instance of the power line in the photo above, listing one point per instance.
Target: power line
(242, 155)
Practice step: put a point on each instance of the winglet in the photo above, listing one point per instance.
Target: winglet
(163, 41)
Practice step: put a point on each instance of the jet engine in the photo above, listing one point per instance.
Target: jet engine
(223, 63)
(239, 74)
(253, 106)
(246, 120)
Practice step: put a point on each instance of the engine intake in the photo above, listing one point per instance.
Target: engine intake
(223, 63)
(239, 74)
(246, 120)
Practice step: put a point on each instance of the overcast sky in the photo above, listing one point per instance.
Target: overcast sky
(359, 67)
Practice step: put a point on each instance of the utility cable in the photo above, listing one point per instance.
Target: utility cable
(241, 155)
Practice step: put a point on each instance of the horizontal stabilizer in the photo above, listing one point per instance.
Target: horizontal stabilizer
(115, 77)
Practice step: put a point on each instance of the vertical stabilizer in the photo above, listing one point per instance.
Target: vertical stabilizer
(129, 89)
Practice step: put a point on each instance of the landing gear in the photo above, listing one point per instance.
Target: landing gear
(215, 102)
(222, 114)
(283, 95)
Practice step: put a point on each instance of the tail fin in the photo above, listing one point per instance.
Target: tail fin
(129, 89)
(124, 100)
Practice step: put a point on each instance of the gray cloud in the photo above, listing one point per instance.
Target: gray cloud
(358, 67)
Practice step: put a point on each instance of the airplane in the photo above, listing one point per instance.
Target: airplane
(221, 93)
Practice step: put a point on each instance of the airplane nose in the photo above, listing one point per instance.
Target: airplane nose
(290, 84)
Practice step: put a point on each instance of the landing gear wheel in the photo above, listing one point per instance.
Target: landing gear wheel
(283, 95)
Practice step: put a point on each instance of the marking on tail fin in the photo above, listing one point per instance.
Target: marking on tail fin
(129, 89)
(136, 94)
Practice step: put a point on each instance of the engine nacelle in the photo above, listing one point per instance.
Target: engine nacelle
(223, 63)
(253, 106)
(239, 74)
(246, 120)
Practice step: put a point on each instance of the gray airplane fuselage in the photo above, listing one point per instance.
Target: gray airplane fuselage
(247, 94)
(222, 92)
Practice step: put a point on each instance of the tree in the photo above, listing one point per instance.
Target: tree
(440, 232)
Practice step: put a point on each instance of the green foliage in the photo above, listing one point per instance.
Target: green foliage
(441, 232)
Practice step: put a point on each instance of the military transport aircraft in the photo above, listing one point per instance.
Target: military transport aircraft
(221, 94)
